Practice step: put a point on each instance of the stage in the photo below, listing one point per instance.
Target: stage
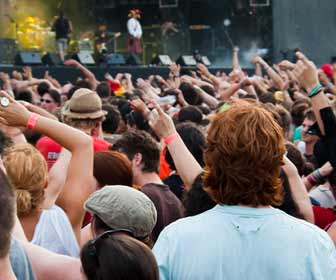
(66, 74)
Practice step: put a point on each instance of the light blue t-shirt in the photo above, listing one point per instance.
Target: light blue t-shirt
(242, 243)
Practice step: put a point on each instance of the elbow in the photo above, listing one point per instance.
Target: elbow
(83, 143)
(86, 141)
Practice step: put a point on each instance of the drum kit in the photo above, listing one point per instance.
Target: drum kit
(35, 34)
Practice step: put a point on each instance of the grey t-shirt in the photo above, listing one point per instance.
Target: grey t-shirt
(20, 262)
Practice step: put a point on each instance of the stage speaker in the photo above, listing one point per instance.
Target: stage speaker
(162, 60)
(186, 60)
(115, 59)
(51, 59)
(206, 61)
(8, 51)
(28, 58)
(85, 58)
(133, 59)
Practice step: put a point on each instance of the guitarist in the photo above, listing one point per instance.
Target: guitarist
(101, 39)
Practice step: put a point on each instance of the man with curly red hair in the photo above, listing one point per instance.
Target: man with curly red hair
(243, 236)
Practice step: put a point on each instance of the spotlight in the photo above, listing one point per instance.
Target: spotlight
(227, 22)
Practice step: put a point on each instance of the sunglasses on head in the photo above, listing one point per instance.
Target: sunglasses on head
(92, 245)
(46, 100)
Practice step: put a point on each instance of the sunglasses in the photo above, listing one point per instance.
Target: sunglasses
(46, 100)
(92, 245)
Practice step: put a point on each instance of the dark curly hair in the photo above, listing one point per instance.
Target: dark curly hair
(197, 201)
(141, 142)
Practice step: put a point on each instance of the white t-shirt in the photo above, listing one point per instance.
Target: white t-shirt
(324, 196)
(54, 232)
(134, 28)
(242, 243)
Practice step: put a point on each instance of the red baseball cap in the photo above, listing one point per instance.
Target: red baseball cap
(328, 70)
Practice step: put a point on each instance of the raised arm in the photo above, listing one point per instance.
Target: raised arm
(277, 80)
(186, 165)
(7, 86)
(306, 73)
(235, 59)
(317, 177)
(86, 72)
(57, 178)
(298, 190)
(204, 71)
(80, 172)
(38, 110)
(211, 101)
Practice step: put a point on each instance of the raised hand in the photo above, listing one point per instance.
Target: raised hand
(256, 60)
(286, 65)
(27, 72)
(71, 62)
(139, 106)
(203, 70)
(17, 75)
(305, 72)
(108, 76)
(14, 113)
(161, 123)
(175, 69)
(4, 77)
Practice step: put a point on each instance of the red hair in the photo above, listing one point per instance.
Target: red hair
(244, 157)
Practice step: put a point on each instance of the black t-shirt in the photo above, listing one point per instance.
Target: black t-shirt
(325, 148)
(62, 28)
(176, 185)
(100, 37)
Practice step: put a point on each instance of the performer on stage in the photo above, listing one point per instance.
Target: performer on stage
(135, 32)
(62, 27)
(101, 39)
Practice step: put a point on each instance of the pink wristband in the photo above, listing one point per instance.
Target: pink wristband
(170, 138)
(32, 121)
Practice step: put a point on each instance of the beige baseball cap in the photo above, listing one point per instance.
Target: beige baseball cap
(122, 207)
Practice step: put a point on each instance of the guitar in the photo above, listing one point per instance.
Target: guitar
(101, 47)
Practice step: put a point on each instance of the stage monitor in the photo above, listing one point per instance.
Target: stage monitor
(85, 58)
(115, 59)
(186, 60)
(162, 60)
(133, 59)
(206, 61)
(28, 58)
(51, 59)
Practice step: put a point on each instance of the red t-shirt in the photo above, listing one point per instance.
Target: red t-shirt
(164, 166)
(50, 149)
(323, 216)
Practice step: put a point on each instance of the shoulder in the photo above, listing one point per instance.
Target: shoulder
(100, 145)
(47, 143)
(306, 231)
(188, 225)
(55, 213)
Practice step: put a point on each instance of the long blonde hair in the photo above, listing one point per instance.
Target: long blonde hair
(28, 173)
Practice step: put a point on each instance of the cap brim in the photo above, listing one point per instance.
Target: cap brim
(94, 115)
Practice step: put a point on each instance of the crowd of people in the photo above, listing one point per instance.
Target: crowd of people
(197, 175)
